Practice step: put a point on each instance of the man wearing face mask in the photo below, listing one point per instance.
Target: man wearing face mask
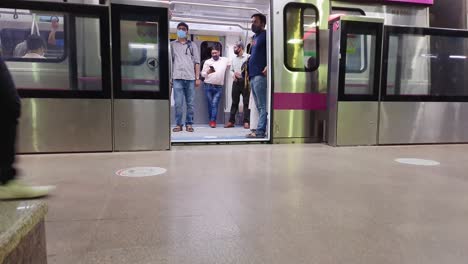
(258, 72)
(185, 76)
(214, 72)
(239, 87)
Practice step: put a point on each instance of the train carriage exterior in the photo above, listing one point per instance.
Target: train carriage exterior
(104, 85)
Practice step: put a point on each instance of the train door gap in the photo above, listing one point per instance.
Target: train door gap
(211, 26)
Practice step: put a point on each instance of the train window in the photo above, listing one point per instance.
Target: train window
(300, 37)
(139, 55)
(357, 54)
(359, 84)
(431, 63)
(137, 32)
(348, 11)
(88, 60)
(80, 71)
(33, 36)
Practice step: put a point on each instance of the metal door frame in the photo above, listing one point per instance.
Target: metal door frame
(141, 118)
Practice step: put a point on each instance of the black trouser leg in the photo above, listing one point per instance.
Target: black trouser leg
(7, 152)
(246, 100)
(237, 87)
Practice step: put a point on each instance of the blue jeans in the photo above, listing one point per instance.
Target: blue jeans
(259, 89)
(184, 89)
(213, 94)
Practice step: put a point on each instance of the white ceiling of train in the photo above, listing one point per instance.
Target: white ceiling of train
(230, 15)
(238, 11)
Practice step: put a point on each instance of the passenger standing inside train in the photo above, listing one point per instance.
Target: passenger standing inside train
(185, 76)
(239, 87)
(54, 26)
(258, 72)
(10, 108)
(36, 47)
(214, 72)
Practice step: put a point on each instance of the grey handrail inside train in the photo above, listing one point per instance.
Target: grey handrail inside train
(16, 12)
(214, 5)
(202, 21)
(210, 17)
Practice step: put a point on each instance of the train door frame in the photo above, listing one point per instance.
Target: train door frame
(141, 117)
(299, 96)
(63, 120)
(354, 112)
(269, 27)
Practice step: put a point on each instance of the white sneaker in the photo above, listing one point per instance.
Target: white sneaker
(17, 190)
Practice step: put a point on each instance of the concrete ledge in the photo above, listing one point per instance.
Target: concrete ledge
(22, 232)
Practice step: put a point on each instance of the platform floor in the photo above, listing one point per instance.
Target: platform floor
(272, 204)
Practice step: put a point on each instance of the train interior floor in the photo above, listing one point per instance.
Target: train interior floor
(204, 133)
(259, 203)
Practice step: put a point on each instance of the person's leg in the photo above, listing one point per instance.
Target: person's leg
(209, 99)
(10, 188)
(10, 109)
(178, 88)
(246, 101)
(261, 95)
(7, 152)
(217, 92)
(253, 112)
(190, 100)
(235, 95)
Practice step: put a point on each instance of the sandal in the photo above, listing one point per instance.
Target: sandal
(254, 135)
(177, 129)
(189, 128)
(251, 135)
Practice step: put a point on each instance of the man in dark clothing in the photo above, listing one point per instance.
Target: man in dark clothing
(10, 107)
(258, 72)
(238, 87)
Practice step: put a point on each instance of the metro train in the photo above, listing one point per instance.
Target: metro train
(104, 86)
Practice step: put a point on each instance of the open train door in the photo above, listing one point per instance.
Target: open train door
(140, 75)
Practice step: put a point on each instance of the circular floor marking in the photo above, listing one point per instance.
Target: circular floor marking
(141, 172)
(418, 162)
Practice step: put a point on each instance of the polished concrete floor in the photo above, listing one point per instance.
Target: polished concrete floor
(259, 203)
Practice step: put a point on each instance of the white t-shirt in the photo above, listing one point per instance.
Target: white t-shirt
(33, 56)
(220, 66)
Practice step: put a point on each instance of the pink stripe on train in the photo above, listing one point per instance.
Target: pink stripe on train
(299, 101)
(425, 2)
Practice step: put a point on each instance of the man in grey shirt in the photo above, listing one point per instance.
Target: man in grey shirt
(185, 76)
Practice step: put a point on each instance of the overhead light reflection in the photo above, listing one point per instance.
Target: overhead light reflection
(141, 46)
(295, 41)
(457, 57)
(24, 207)
(429, 56)
(310, 25)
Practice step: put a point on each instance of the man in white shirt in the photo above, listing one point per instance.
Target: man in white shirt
(239, 86)
(36, 47)
(214, 72)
